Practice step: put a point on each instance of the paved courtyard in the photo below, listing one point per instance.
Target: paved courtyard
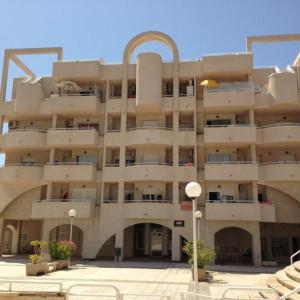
(140, 277)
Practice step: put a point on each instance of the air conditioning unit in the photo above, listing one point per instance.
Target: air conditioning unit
(13, 124)
(69, 123)
(190, 88)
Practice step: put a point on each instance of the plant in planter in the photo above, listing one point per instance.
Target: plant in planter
(205, 255)
(61, 252)
(37, 266)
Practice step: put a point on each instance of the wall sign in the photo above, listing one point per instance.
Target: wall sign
(178, 223)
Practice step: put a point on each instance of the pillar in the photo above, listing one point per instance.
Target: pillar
(165, 250)
(1, 233)
(175, 192)
(119, 241)
(256, 246)
(253, 153)
(54, 121)
(121, 191)
(15, 239)
(251, 116)
(254, 191)
(176, 247)
(147, 241)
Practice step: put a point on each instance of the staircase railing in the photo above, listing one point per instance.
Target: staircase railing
(293, 255)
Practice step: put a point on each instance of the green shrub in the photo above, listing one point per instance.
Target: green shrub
(61, 250)
(205, 254)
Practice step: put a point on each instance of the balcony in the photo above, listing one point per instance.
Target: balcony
(229, 134)
(186, 137)
(236, 95)
(14, 173)
(280, 171)
(231, 171)
(21, 139)
(146, 135)
(276, 134)
(58, 208)
(73, 137)
(187, 102)
(73, 104)
(113, 105)
(160, 209)
(73, 171)
(149, 171)
(233, 63)
(239, 210)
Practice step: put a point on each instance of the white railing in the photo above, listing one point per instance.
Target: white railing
(73, 128)
(109, 291)
(150, 127)
(231, 125)
(73, 94)
(70, 163)
(12, 285)
(149, 164)
(238, 86)
(233, 201)
(294, 255)
(230, 162)
(68, 200)
(25, 164)
(280, 162)
(24, 129)
(148, 201)
(278, 125)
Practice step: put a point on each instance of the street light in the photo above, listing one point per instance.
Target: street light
(72, 215)
(193, 190)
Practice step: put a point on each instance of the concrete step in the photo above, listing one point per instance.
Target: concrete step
(282, 278)
(273, 283)
(297, 265)
(292, 273)
(267, 295)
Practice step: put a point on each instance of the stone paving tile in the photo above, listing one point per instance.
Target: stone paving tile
(143, 277)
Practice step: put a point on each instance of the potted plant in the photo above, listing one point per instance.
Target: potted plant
(37, 265)
(205, 255)
(61, 252)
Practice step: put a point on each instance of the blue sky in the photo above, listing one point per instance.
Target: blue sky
(90, 29)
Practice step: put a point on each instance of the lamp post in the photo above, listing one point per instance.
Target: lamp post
(72, 215)
(193, 190)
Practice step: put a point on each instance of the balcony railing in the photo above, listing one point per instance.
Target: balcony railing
(71, 163)
(230, 162)
(23, 129)
(74, 128)
(110, 201)
(238, 86)
(186, 127)
(148, 201)
(25, 164)
(67, 200)
(111, 165)
(187, 164)
(148, 164)
(279, 125)
(230, 125)
(149, 127)
(231, 201)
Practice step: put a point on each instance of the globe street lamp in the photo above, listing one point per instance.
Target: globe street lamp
(72, 215)
(193, 190)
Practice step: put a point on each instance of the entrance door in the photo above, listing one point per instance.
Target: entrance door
(156, 241)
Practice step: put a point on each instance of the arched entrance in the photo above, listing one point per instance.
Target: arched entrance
(9, 240)
(62, 233)
(233, 245)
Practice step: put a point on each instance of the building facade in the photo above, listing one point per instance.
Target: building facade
(119, 142)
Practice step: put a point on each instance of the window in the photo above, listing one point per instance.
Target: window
(84, 194)
(219, 157)
(280, 246)
(218, 122)
(214, 196)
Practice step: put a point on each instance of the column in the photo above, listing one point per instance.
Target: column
(175, 192)
(176, 247)
(147, 241)
(175, 132)
(165, 250)
(121, 191)
(251, 116)
(119, 241)
(254, 191)
(253, 153)
(15, 239)
(1, 233)
(256, 247)
(50, 184)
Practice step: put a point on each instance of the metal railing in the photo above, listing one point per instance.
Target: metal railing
(148, 201)
(230, 125)
(148, 164)
(225, 201)
(70, 163)
(149, 127)
(230, 162)
(74, 128)
(232, 87)
(25, 164)
(24, 129)
(68, 200)
(278, 125)
(287, 162)
(293, 256)
(110, 292)
(12, 288)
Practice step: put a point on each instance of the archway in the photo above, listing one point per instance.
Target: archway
(62, 233)
(233, 245)
(9, 240)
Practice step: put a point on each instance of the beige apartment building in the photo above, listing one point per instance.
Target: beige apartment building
(119, 142)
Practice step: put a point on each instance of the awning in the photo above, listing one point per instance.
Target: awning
(209, 83)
